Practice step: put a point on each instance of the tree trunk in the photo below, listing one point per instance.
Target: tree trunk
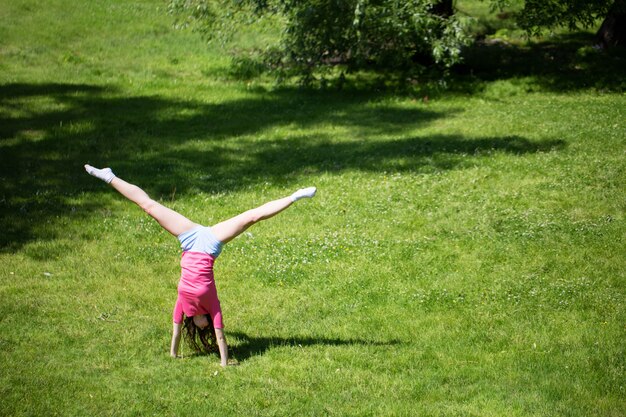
(444, 8)
(613, 29)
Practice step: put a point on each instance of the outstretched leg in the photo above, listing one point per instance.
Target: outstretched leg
(170, 220)
(231, 228)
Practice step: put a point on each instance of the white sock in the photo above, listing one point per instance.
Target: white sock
(303, 193)
(105, 174)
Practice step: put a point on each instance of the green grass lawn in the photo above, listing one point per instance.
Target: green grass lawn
(464, 256)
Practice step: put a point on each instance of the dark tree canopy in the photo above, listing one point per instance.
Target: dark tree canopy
(356, 33)
(390, 34)
(537, 15)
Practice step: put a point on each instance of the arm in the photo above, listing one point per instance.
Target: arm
(221, 344)
(176, 332)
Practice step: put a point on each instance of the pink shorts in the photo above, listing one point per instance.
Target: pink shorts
(197, 293)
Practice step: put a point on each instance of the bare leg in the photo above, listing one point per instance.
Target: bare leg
(231, 228)
(170, 220)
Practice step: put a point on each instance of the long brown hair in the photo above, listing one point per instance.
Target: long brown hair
(200, 340)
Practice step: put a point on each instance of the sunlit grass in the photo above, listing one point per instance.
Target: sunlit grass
(464, 254)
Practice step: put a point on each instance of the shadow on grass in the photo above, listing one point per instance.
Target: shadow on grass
(48, 131)
(247, 347)
(563, 64)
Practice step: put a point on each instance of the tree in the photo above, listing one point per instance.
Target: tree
(613, 29)
(539, 14)
(393, 34)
